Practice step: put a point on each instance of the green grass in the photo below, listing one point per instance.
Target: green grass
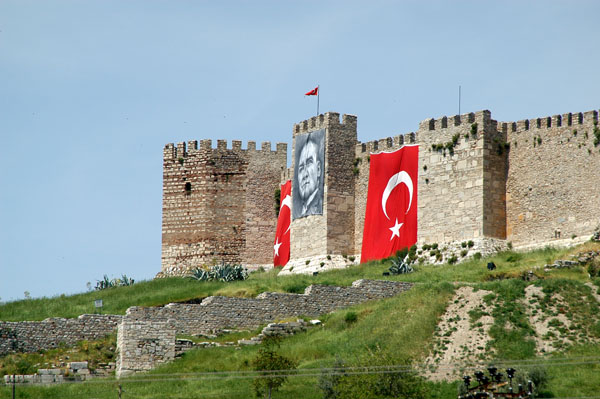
(403, 325)
(162, 291)
(510, 333)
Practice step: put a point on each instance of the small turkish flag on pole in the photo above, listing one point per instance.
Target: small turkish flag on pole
(313, 92)
(281, 248)
(391, 214)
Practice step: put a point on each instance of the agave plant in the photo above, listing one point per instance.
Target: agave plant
(400, 265)
(115, 282)
(104, 283)
(200, 274)
(125, 281)
(223, 272)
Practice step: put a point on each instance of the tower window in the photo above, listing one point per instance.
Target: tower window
(188, 187)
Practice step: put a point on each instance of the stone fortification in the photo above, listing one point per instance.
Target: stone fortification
(32, 336)
(147, 336)
(553, 183)
(143, 345)
(532, 182)
(218, 204)
(461, 178)
(216, 313)
(333, 232)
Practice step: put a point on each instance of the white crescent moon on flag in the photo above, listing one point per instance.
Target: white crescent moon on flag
(400, 177)
(287, 201)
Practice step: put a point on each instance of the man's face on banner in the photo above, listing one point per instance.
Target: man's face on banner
(309, 170)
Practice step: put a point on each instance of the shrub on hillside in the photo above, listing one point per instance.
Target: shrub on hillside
(538, 375)
(381, 375)
(223, 272)
(272, 367)
(330, 378)
(593, 268)
(350, 317)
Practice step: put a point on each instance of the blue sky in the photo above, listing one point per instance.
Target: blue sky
(91, 91)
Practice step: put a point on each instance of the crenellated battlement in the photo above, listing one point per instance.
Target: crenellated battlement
(287, 174)
(529, 181)
(550, 122)
(385, 144)
(322, 121)
(174, 151)
(481, 117)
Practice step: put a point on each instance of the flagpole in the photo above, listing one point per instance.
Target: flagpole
(318, 94)
(458, 99)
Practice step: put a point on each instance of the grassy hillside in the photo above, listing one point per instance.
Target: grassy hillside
(404, 327)
(162, 291)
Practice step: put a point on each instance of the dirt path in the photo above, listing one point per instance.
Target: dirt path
(548, 329)
(461, 339)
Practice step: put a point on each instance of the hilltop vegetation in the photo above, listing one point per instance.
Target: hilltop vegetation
(158, 292)
(394, 332)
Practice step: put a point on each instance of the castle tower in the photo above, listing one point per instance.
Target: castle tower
(553, 184)
(218, 204)
(462, 178)
(326, 231)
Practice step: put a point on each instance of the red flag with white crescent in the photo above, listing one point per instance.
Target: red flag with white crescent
(391, 215)
(313, 92)
(281, 248)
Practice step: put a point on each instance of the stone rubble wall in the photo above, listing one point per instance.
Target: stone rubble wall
(216, 313)
(32, 336)
(142, 345)
(74, 371)
(279, 330)
(146, 337)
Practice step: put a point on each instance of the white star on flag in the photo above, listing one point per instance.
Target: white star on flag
(276, 246)
(396, 229)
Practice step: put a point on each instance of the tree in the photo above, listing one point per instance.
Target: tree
(330, 379)
(272, 367)
(378, 375)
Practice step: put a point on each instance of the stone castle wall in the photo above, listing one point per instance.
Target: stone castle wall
(217, 312)
(32, 336)
(496, 183)
(143, 345)
(147, 336)
(553, 185)
(461, 178)
(218, 203)
(531, 182)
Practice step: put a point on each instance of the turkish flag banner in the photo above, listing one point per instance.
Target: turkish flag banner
(313, 92)
(391, 214)
(281, 248)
